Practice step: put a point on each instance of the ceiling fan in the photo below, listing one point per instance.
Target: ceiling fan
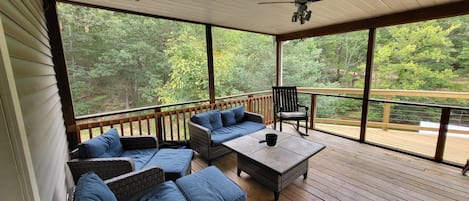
(302, 14)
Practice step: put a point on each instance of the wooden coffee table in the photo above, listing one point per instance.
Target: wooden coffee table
(274, 167)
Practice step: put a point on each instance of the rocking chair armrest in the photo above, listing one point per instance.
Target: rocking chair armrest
(280, 108)
(304, 106)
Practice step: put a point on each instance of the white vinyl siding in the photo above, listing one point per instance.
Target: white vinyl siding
(31, 60)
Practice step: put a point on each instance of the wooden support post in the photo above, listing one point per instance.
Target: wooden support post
(211, 74)
(279, 67)
(386, 114)
(312, 117)
(250, 105)
(440, 144)
(366, 90)
(158, 124)
(60, 68)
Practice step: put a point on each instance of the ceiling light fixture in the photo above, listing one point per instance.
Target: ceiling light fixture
(302, 14)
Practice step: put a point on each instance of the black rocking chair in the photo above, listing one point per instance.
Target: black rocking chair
(286, 107)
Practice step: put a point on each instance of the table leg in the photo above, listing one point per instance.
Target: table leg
(466, 167)
(305, 175)
(239, 172)
(276, 195)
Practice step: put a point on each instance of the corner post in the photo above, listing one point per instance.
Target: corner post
(366, 90)
(279, 67)
(441, 142)
(60, 68)
(211, 74)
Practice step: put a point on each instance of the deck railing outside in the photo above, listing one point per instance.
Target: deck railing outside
(169, 122)
(436, 131)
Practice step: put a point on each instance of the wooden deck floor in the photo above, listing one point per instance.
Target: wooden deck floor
(348, 170)
(456, 149)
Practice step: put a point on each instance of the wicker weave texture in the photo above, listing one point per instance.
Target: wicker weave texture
(201, 138)
(130, 184)
(104, 167)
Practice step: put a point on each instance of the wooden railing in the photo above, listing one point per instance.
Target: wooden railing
(388, 101)
(168, 122)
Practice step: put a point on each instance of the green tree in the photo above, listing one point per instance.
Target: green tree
(344, 57)
(189, 75)
(459, 37)
(301, 64)
(414, 56)
(244, 62)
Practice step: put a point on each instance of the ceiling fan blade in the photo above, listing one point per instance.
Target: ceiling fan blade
(272, 2)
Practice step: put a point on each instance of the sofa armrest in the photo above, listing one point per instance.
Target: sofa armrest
(132, 183)
(200, 136)
(250, 116)
(104, 167)
(139, 142)
(199, 130)
(74, 154)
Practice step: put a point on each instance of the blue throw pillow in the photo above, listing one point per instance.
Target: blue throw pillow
(92, 188)
(202, 119)
(215, 119)
(210, 119)
(228, 117)
(103, 146)
(239, 113)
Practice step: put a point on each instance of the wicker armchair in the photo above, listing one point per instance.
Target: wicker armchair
(132, 183)
(149, 184)
(201, 140)
(113, 166)
(129, 184)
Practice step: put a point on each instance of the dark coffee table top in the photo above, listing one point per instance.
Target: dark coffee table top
(287, 153)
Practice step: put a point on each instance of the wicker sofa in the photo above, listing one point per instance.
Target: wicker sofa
(150, 184)
(110, 155)
(209, 129)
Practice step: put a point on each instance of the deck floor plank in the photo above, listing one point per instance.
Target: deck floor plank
(424, 144)
(349, 170)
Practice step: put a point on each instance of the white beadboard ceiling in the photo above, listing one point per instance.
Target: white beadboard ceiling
(271, 19)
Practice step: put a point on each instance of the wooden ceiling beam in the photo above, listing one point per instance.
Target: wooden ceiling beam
(429, 13)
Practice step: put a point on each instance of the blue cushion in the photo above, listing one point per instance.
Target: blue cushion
(202, 119)
(248, 127)
(161, 192)
(103, 146)
(174, 162)
(239, 113)
(92, 188)
(210, 184)
(226, 133)
(210, 119)
(228, 117)
(140, 156)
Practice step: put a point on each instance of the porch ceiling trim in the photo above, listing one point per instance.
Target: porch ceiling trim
(434, 12)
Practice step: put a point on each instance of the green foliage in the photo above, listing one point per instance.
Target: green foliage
(414, 56)
(189, 75)
(118, 61)
(301, 66)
